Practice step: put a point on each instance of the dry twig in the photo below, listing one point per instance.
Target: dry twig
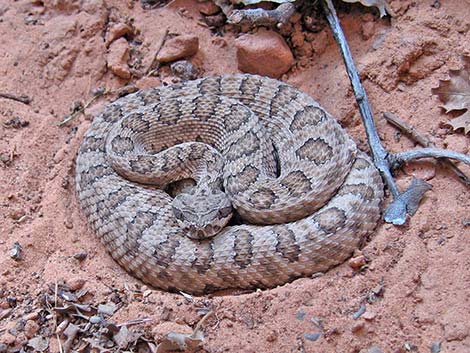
(261, 17)
(425, 142)
(155, 64)
(22, 98)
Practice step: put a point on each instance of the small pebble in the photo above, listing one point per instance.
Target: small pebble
(32, 316)
(68, 224)
(15, 252)
(117, 58)
(357, 262)
(117, 31)
(178, 48)
(80, 256)
(76, 283)
(208, 8)
(31, 328)
(300, 315)
(7, 338)
(374, 350)
(312, 336)
(436, 347)
(369, 315)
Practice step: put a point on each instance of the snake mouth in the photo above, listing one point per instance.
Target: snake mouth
(201, 233)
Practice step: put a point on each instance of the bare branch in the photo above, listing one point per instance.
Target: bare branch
(425, 142)
(261, 17)
(378, 151)
(22, 98)
(399, 158)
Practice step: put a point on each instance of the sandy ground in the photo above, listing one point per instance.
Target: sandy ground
(415, 288)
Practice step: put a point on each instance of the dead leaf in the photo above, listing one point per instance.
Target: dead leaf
(455, 94)
(39, 344)
(180, 342)
(183, 342)
(382, 5)
(124, 337)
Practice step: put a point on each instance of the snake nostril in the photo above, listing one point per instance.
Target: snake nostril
(201, 234)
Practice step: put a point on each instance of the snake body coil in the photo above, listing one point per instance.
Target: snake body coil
(306, 196)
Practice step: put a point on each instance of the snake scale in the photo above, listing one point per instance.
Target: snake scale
(303, 196)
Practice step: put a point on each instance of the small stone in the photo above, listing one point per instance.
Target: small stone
(312, 336)
(184, 69)
(15, 251)
(17, 214)
(118, 55)
(436, 347)
(68, 223)
(264, 53)
(300, 315)
(31, 328)
(117, 31)
(357, 327)
(215, 21)
(369, 315)
(178, 48)
(3, 348)
(208, 8)
(7, 338)
(80, 256)
(31, 316)
(357, 262)
(76, 283)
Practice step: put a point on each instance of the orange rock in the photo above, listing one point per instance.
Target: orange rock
(118, 56)
(178, 48)
(208, 8)
(264, 53)
(357, 262)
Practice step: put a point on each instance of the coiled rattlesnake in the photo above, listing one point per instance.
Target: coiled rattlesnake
(306, 197)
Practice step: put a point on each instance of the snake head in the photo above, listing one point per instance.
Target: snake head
(202, 212)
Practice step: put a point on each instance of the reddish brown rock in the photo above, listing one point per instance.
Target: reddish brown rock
(178, 48)
(357, 262)
(117, 31)
(118, 55)
(7, 338)
(264, 53)
(76, 283)
(208, 8)
(31, 328)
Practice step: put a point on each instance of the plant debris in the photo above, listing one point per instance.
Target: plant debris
(175, 341)
(455, 94)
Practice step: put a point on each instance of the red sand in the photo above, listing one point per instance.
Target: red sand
(56, 55)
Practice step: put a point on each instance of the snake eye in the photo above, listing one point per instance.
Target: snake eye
(177, 213)
(224, 212)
